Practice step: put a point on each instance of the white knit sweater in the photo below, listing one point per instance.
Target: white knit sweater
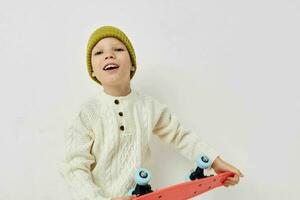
(109, 139)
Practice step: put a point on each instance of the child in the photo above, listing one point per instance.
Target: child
(109, 137)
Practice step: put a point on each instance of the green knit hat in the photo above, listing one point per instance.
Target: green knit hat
(103, 32)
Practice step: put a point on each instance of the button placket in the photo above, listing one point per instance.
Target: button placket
(117, 102)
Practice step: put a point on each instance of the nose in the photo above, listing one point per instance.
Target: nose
(109, 55)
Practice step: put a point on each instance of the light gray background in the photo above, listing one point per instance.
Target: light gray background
(228, 69)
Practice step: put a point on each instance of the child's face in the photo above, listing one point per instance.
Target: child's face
(111, 50)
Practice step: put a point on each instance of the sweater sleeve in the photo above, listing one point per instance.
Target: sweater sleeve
(168, 128)
(77, 165)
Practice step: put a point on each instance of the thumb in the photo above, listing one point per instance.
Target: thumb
(240, 173)
(222, 166)
(236, 171)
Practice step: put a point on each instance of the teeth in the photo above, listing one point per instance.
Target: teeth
(108, 66)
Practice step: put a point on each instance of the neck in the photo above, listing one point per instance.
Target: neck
(117, 90)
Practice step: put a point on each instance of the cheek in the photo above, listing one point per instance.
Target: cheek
(95, 64)
(126, 60)
(93, 61)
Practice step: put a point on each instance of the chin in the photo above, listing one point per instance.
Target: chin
(112, 82)
(116, 83)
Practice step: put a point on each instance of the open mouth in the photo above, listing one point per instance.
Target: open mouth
(110, 67)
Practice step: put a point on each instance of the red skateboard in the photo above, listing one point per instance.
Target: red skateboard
(196, 184)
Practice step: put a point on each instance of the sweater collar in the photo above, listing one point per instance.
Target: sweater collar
(112, 99)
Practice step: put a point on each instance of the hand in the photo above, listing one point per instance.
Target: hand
(125, 198)
(220, 166)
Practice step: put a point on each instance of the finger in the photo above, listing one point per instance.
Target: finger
(238, 172)
(236, 178)
(229, 183)
(232, 182)
(235, 170)
(226, 184)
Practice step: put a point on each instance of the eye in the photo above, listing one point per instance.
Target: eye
(99, 52)
(120, 49)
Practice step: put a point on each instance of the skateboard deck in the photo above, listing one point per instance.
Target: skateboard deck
(188, 189)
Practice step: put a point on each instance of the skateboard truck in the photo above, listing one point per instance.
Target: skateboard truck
(142, 178)
(203, 162)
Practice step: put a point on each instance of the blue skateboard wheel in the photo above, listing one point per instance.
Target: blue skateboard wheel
(142, 176)
(129, 193)
(187, 178)
(203, 161)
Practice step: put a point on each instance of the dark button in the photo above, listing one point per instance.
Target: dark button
(121, 114)
(116, 101)
(122, 128)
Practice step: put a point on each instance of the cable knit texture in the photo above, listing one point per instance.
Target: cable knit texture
(109, 139)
